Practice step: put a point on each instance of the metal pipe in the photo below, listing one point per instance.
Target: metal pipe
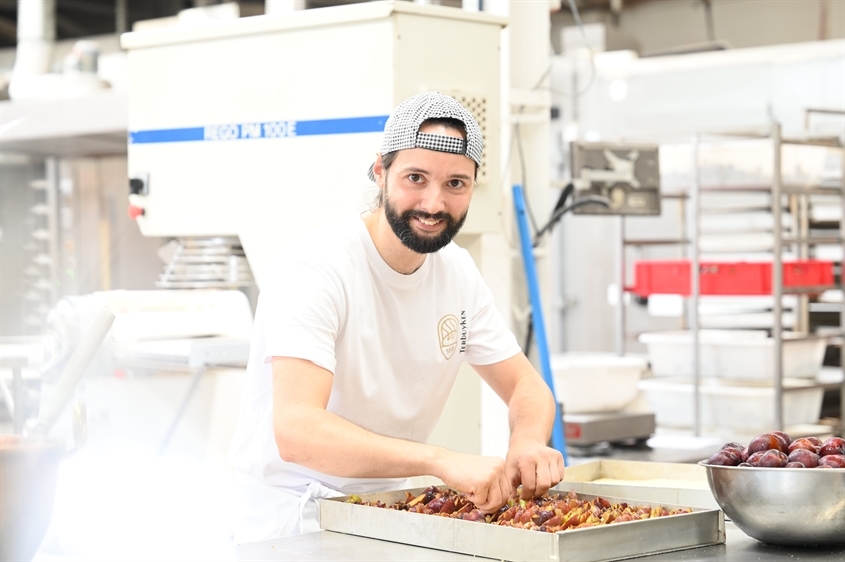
(695, 289)
(803, 312)
(683, 220)
(620, 288)
(34, 52)
(121, 16)
(51, 166)
(777, 275)
(842, 288)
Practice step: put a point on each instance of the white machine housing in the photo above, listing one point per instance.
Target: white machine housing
(264, 127)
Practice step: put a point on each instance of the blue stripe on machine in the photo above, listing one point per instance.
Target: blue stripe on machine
(262, 130)
(167, 135)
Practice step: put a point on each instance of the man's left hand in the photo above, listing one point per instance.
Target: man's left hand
(535, 466)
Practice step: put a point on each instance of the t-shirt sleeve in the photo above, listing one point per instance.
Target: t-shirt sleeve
(490, 340)
(302, 311)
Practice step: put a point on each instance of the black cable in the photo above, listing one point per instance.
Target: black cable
(556, 216)
(561, 202)
(529, 336)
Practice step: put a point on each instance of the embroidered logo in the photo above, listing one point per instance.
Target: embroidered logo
(447, 335)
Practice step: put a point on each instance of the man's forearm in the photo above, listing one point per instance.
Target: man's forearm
(531, 410)
(324, 441)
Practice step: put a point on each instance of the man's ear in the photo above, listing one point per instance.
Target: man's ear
(378, 171)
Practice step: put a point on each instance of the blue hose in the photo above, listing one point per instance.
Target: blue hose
(558, 439)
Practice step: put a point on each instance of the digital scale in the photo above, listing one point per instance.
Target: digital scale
(586, 430)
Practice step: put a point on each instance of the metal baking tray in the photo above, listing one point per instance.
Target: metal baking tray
(619, 541)
(659, 482)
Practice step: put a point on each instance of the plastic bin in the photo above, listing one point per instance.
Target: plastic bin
(727, 406)
(672, 277)
(746, 355)
(596, 382)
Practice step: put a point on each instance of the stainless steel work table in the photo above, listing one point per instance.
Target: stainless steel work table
(327, 545)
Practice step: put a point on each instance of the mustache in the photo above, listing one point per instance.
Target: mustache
(423, 215)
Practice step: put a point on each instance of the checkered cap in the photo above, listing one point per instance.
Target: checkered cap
(402, 128)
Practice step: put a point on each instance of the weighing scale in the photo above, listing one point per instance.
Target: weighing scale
(587, 430)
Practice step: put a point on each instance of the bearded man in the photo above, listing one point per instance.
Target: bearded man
(358, 342)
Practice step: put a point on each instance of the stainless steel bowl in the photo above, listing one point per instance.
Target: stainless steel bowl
(788, 506)
(28, 477)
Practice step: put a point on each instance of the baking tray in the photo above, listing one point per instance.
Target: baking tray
(658, 482)
(594, 544)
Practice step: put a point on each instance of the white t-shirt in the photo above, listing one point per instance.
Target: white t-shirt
(393, 342)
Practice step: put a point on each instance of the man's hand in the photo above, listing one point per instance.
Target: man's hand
(534, 465)
(482, 479)
(531, 413)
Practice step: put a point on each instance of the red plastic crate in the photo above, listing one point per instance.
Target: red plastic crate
(672, 277)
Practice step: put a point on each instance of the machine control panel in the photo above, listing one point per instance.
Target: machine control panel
(623, 179)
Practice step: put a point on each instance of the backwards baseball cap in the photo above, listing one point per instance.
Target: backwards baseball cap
(402, 129)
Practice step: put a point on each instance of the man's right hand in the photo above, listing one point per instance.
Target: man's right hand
(482, 479)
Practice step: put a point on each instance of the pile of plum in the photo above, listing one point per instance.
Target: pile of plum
(778, 450)
(549, 513)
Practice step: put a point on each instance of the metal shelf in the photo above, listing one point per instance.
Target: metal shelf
(655, 242)
(811, 337)
(798, 210)
(829, 143)
(731, 210)
(767, 188)
(810, 240)
(809, 290)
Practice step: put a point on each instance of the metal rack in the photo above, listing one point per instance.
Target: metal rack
(42, 275)
(801, 238)
(207, 263)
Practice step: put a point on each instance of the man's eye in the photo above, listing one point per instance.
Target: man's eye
(456, 183)
(416, 178)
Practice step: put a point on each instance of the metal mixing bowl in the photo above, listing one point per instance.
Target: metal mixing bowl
(28, 477)
(788, 506)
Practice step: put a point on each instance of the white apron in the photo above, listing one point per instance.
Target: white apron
(266, 512)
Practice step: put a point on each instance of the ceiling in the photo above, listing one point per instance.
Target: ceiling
(83, 18)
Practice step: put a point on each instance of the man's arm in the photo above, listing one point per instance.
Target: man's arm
(531, 412)
(307, 434)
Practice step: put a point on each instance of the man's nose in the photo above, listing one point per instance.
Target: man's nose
(433, 200)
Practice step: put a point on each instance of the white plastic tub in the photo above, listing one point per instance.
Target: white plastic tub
(596, 382)
(731, 406)
(733, 354)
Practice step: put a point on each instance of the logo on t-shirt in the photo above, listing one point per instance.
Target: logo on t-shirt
(447, 332)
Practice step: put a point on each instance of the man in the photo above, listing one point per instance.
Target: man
(356, 346)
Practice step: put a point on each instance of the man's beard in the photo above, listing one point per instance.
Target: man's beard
(401, 225)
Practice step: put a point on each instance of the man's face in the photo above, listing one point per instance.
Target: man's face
(427, 194)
